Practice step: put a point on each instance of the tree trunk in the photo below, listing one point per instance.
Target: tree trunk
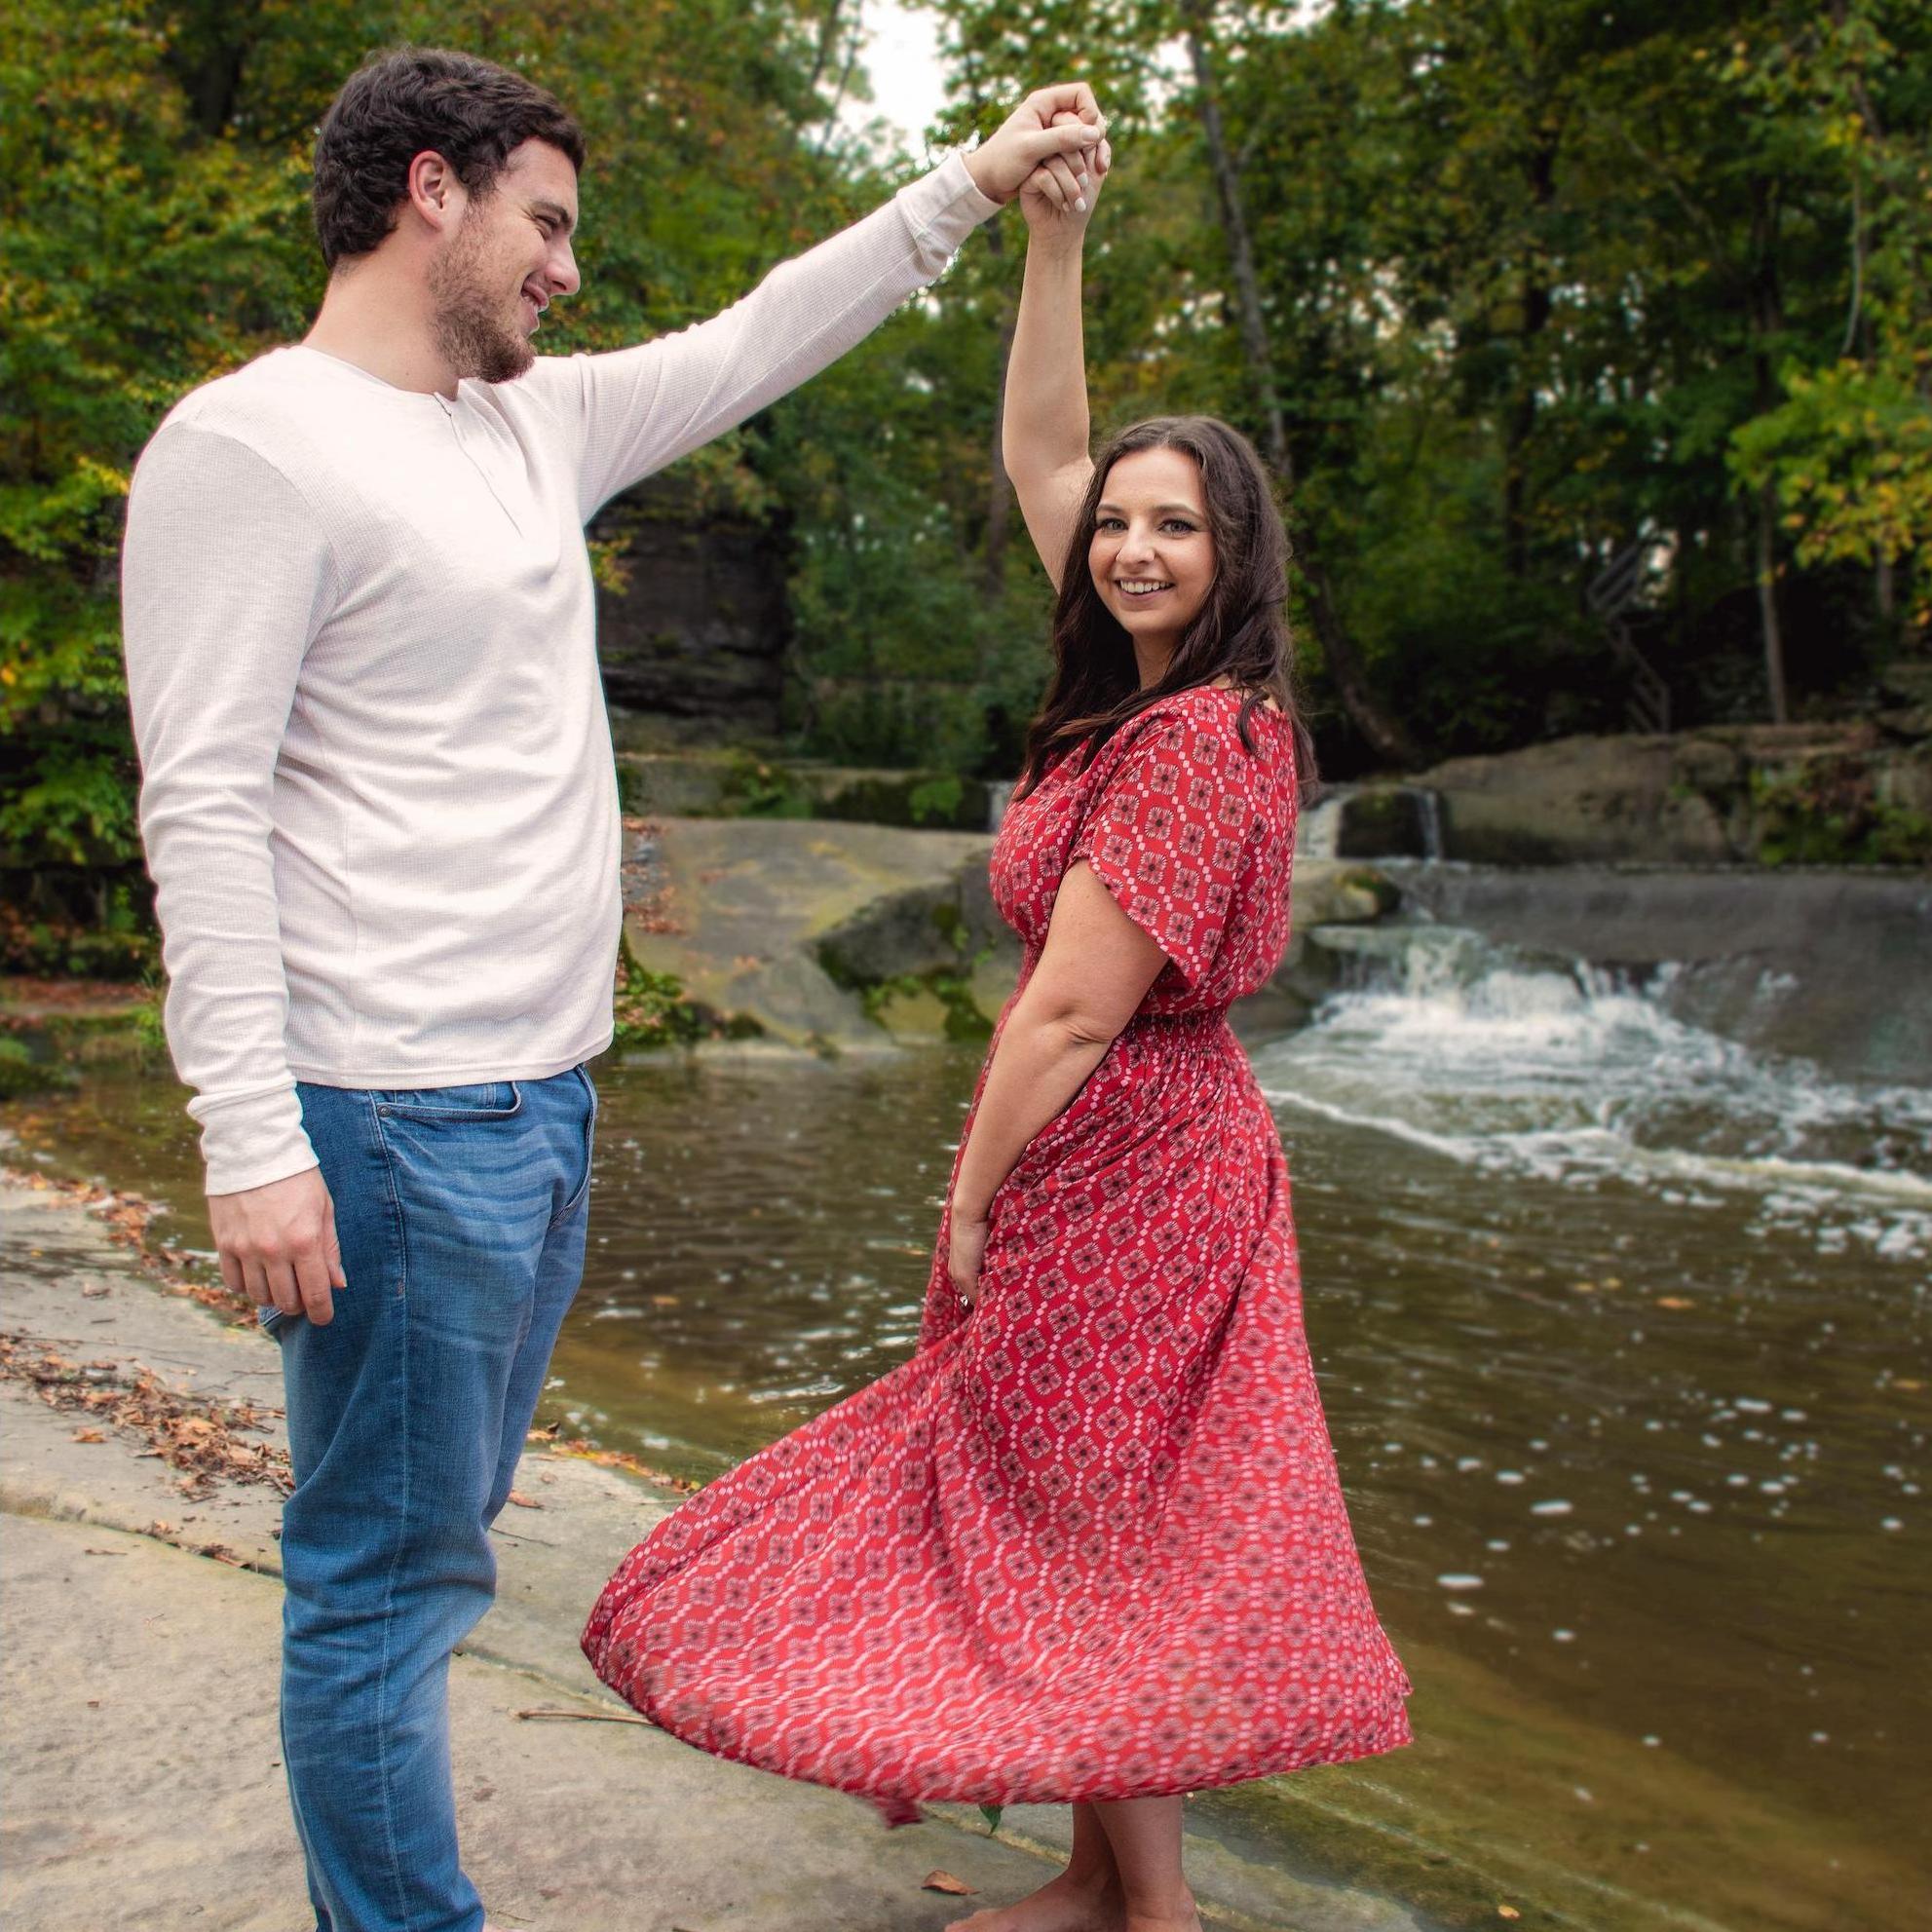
(1255, 350)
(1386, 735)
(1767, 322)
(999, 487)
(1768, 604)
(1537, 308)
(207, 55)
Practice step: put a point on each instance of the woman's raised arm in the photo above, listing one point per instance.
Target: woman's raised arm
(1044, 429)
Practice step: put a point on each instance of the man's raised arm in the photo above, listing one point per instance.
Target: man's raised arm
(644, 407)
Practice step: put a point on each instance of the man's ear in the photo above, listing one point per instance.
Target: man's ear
(434, 192)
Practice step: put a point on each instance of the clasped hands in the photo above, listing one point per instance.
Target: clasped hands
(1052, 150)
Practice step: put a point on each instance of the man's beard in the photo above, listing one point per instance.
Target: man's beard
(471, 332)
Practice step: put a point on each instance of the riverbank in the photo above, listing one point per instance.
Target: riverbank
(142, 1469)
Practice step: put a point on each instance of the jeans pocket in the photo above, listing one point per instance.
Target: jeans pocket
(589, 1148)
(486, 1100)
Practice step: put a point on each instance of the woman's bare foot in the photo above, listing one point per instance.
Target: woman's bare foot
(1180, 1918)
(1065, 1903)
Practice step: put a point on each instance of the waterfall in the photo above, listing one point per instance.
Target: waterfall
(1515, 1061)
(1320, 827)
(1373, 821)
(1428, 816)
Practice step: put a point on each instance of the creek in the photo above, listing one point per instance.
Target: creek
(1621, 1329)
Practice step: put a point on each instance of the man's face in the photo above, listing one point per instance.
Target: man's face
(506, 258)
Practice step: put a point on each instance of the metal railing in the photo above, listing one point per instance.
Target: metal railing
(1612, 593)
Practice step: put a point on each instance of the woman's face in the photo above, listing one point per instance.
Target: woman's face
(1152, 556)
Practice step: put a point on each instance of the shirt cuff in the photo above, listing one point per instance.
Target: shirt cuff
(249, 1142)
(943, 207)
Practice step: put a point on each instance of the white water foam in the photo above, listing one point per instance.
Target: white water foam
(1579, 1076)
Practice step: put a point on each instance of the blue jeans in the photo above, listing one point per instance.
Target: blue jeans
(461, 1212)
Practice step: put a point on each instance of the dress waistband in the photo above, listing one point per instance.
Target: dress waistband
(1186, 1030)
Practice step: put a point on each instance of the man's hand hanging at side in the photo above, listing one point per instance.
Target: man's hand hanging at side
(278, 1245)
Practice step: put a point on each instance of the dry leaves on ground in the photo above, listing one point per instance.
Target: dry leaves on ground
(201, 1438)
(580, 1449)
(944, 1881)
(128, 1218)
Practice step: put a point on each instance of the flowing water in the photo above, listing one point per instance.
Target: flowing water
(1622, 1334)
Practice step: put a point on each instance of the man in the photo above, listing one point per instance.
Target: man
(380, 811)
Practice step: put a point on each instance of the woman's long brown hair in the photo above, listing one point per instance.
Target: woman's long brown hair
(1239, 633)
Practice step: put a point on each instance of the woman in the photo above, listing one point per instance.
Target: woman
(1089, 1545)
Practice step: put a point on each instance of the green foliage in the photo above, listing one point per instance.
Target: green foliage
(1536, 279)
(113, 939)
(22, 1072)
(1849, 448)
(757, 788)
(1827, 813)
(149, 1025)
(652, 1009)
(935, 801)
(963, 1021)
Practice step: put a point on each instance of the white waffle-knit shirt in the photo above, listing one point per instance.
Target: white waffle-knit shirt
(378, 795)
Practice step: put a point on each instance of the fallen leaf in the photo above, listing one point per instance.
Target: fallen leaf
(1674, 1302)
(89, 1435)
(1910, 1383)
(663, 1301)
(1507, 1911)
(523, 1501)
(944, 1881)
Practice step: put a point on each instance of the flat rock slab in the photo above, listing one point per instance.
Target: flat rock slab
(146, 1788)
(754, 899)
(749, 897)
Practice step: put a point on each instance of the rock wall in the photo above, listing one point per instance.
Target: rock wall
(699, 630)
(1743, 794)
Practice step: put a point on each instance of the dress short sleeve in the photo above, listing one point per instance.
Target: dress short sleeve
(1169, 829)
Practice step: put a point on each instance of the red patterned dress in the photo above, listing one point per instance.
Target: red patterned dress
(1090, 1541)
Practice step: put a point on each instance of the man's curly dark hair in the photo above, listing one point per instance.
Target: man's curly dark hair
(398, 103)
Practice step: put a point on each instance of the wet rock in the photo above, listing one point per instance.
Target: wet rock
(831, 936)
(749, 904)
(1741, 794)
(1384, 821)
(701, 783)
